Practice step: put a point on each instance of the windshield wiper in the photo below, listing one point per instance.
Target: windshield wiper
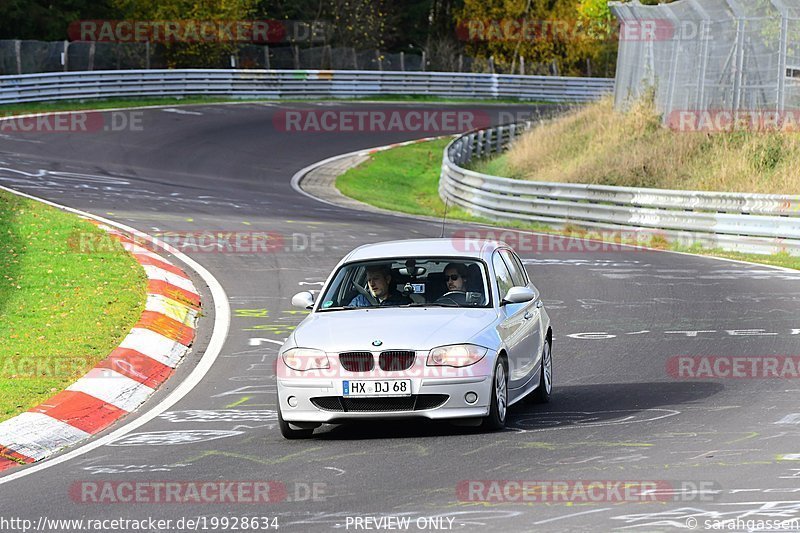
(343, 308)
(431, 304)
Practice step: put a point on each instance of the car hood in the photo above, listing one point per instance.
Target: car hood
(420, 328)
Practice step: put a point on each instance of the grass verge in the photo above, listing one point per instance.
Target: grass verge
(61, 311)
(121, 103)
(115, 103)
(597, 145)
(406, 179)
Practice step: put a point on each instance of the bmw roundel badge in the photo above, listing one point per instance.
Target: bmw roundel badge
(377, 343)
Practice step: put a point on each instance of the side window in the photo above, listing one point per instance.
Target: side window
(503, 276)
(518, 275)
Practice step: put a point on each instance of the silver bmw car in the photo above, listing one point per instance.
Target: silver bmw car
(434, 328)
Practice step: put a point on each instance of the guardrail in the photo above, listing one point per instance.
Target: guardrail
(276, 84)
(753, 223)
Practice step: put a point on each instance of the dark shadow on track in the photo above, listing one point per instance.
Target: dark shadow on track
(584, 405)
(610, 404)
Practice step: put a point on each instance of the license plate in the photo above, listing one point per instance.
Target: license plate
(386, 387)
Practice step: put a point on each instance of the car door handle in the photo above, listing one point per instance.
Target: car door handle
(528, 315)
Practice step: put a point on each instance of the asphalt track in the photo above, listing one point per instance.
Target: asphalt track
(618, 315)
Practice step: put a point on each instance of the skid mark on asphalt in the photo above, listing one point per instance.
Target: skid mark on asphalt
(304, 454)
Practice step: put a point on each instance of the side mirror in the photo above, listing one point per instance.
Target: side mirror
(303, 300)
(520, 295)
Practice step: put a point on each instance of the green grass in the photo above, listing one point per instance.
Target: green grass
(61, 311)
(401, 180)
(493, 166)
(406, 179)
(420, 98)
(782, 259)
(78, 105)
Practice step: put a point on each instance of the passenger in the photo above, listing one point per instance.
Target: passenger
(379, 278)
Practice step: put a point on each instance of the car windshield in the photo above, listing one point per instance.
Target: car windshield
(408, 282)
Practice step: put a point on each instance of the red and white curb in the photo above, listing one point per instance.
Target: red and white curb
(122, 381)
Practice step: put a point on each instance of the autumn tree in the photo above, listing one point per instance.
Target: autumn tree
(195, 53)
(553, 36)
(45, 20)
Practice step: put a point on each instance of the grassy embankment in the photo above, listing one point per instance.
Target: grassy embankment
(61, 311)
(594, 145)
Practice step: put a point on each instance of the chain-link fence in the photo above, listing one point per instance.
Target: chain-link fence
(710, 55)
(30, 57)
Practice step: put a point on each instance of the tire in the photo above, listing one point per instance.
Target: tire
(289, 432)
(498, 410)
(544, 391)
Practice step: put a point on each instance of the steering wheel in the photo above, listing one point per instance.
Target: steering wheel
(365, 293)
(457, 297)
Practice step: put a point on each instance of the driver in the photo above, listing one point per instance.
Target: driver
(379, 279)
(455, 276)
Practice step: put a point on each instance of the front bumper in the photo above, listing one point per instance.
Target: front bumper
(303, 390)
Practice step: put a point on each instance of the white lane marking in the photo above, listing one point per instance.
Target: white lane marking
(793, 418)
(256, 341)
(67, 176)
(174, 438)
(222, 415)
(180, 111)
(222, 321)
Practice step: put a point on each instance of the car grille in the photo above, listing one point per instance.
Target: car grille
(396, 360)
(419, 402)
(357, 361)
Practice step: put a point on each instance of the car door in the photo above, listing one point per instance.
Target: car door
(513, 327)
(530, 344)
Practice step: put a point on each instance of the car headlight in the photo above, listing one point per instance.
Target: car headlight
(456, 355)
(306, 359)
